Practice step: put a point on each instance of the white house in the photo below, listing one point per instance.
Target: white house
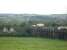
(5, 29)
(40, 25)
(11, 30)
(62, 27)
(33, 25)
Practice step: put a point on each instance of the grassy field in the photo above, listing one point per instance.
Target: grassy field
(29, 43)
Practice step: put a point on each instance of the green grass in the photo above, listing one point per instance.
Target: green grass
(29, 43)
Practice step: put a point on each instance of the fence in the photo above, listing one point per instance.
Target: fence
(47, 32)
(50, 32)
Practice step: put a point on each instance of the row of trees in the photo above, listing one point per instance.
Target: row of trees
(25, 29)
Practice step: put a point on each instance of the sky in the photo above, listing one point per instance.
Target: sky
(33, 6)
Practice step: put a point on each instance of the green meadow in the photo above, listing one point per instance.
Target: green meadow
(31, 43)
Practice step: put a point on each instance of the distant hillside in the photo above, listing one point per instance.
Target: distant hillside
(18, 18)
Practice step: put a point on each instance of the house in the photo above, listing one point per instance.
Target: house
(62, 27)
(5, 29)
(40, 25)
(11, 30)
(33, 25)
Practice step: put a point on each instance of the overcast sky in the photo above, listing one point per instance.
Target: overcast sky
(34, 6)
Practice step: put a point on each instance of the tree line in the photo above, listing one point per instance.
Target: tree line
(26, 30)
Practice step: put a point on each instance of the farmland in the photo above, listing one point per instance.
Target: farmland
(31, 43)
